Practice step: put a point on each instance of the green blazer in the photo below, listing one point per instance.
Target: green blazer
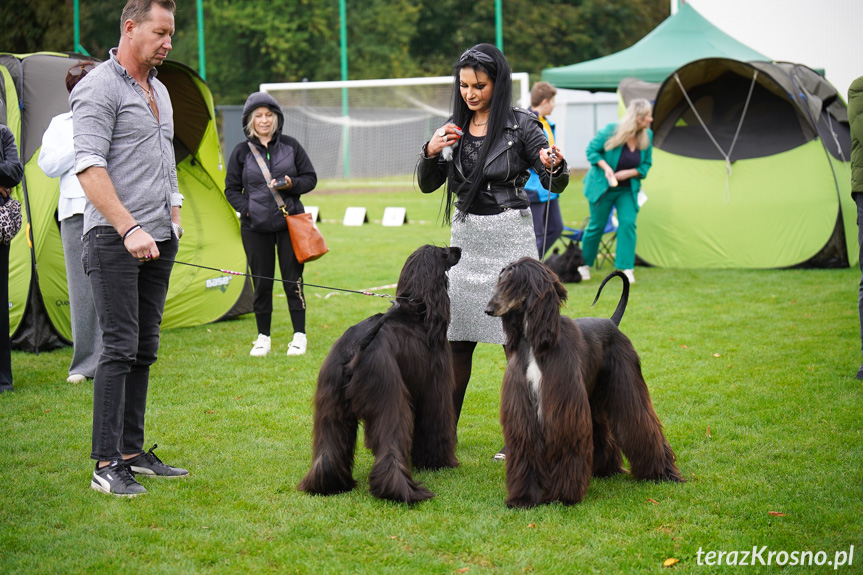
(595, 183)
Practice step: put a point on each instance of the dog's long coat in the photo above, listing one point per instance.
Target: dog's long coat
(573, 396)
(393, 371)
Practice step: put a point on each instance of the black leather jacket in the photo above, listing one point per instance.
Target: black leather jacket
(506, 167)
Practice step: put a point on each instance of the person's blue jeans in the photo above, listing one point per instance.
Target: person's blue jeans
(130, 299)
(546, 235)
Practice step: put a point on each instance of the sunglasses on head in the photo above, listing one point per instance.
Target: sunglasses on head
(476, 55)
(79, 69)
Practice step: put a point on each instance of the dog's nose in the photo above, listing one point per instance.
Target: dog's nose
(489, 309)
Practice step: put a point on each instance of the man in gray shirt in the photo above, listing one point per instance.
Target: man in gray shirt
(124, 158)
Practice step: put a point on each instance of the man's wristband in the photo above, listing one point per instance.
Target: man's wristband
(131, 231)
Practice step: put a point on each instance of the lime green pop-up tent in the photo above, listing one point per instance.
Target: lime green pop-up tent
(681, 38)
(33, 90)
(750, 170)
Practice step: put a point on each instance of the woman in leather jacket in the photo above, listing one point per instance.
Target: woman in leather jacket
(483, 153)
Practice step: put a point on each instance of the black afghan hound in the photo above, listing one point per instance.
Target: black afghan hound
(392, 371)
(573, 396)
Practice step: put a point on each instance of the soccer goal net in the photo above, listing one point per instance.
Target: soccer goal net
(369, 130)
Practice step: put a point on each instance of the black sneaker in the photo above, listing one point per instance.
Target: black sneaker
(500, 455)
(115, 479)
(149, 464)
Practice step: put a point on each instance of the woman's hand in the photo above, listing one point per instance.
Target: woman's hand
(4, 191)
(609, 173)
(545, 156)
(625, 174)
(443, 138)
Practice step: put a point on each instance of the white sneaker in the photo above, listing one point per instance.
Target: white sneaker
(630, 275)
(76, 378)
(298, 345)
(584, 272)
(261, 346)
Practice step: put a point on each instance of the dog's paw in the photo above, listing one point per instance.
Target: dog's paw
(522, 502)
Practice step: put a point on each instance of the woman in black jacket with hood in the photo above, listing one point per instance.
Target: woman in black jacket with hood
(262, 224)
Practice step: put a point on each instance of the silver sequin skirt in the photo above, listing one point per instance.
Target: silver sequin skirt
(488, 244)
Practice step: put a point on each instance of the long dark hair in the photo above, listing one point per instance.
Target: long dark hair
(488, 59)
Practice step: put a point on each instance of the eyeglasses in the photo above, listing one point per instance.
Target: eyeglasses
(476, 55)
(81, 69)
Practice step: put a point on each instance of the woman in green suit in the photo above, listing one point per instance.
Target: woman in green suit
(620, 156)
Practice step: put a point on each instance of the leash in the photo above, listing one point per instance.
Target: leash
(547, 204)
(284, 281)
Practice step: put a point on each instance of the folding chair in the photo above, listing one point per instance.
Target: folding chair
(608, 242)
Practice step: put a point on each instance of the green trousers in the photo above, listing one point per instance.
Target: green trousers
(627, 209)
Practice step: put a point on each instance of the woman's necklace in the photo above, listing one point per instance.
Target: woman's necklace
(478, 124)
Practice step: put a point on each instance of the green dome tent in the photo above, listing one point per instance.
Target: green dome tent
(750, 170)
(681, 38)
(33, 91)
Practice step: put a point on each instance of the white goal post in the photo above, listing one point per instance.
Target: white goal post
(370, 130)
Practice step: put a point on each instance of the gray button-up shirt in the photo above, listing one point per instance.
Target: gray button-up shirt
(114, 128)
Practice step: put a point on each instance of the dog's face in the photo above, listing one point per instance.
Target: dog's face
(521, 284)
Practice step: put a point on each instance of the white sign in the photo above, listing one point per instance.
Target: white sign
(355, 217)
(395, 217)
(316, 217)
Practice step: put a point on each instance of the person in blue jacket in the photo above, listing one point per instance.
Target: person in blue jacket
(547, 220)
(620, 156)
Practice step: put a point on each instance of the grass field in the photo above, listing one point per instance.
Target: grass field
(751, 373)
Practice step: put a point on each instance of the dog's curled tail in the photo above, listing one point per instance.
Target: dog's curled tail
(624, 297)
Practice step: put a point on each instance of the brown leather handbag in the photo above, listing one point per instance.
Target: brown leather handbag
(308, 242)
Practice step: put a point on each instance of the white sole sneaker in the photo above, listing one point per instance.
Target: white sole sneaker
(630, 275)
(298, 345)
(584, 272)
(261, 346)
(76, 378)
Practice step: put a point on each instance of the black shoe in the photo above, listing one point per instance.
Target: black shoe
(500, 455)
(149, 464)
(115, 479)
(860, 372)
(6, 387)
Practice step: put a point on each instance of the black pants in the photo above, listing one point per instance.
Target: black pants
(261, 250)
(5, 344)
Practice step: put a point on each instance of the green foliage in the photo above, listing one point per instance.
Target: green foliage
(256, 41)
(750, 371)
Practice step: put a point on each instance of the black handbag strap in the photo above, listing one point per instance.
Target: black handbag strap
(266, 171)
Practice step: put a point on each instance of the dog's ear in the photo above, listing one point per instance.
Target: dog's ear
(543, 309)
(423, 283)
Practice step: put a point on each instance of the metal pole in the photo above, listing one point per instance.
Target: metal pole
(498, 23)
(343, 45)
(202, 61)
(77, 27)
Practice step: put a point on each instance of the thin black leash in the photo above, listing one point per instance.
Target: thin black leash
(547, 205)
(304, 284)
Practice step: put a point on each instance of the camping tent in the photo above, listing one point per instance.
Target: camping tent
(681, 38)
(34, 91)
(750, 170)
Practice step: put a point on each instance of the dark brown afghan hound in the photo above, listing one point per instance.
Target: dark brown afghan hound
(392, 371)
(573, 396)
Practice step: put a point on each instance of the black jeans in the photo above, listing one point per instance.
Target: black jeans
(5, 343)
(130, 299)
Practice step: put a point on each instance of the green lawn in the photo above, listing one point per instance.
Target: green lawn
(751, 373)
